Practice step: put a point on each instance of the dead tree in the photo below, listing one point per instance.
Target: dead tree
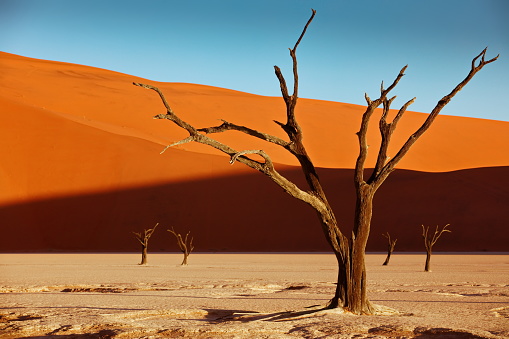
(185, 246)
(350, 251)
(143, 239)
(390, 248)
(429, 241)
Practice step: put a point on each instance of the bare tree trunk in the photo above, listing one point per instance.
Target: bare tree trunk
(390, 248)
(428, 259)
(388, 258)
(144, 250)
(429, 241)
(143, 238)
(185, 244)
(184, 261)
(351, 290)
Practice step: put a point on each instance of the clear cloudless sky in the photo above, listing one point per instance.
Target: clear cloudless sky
(350, 47)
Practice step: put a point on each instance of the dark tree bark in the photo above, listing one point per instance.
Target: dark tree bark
(185, 244)
(143, 239)
(429, 241)
(350, 251)
(390, 248)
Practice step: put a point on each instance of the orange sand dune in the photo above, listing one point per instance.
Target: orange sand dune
(81, 168)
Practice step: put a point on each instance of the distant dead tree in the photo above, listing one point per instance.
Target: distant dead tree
(429, 241)
(143, 239)
(351, 291)
(390, 247)
(185, 244)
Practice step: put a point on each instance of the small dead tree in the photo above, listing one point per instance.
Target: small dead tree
(429, 241)
(390, 248)
(143, 239)
(351, 291)
(185, 245)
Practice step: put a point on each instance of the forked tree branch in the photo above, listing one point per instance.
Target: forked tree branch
(389, 167)
(386, 130)
(293, 129)
(183, 244)
(384, 166)
(291, 100)
(147, 233)
(362, 134)
(430, 241)
(392, 243)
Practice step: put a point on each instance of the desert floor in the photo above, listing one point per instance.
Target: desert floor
(248, 296)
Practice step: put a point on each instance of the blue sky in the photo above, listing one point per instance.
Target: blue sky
(349, 49)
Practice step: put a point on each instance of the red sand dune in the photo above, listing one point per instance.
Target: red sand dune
(81, 169)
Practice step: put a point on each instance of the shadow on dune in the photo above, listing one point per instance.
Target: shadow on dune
(250, 213)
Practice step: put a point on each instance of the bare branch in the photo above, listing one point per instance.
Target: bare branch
(362, 134)
(282, 85)
(183, 141)
(294, 58)
(368, 100)
(168, 108)
(482, 62)
(438, 233)
(436, 110)
(139, 237)
(170, 115)
(147, 233)
(292, 128)
(305, 28)
(430, 241)
(151, 230)
(394, 83)
(268, 161)
(402, 111)
(227, 126)
(386, 130)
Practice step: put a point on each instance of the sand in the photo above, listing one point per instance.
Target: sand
(248, 296)
(82, 169)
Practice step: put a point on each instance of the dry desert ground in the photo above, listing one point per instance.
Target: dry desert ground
(248, 296)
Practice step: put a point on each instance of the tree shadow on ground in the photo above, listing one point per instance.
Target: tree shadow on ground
(222, 315)
(102, 334)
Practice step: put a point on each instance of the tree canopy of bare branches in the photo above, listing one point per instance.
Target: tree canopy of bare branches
(429, 241)
(349, 250)
(143, 239)
(185, 244)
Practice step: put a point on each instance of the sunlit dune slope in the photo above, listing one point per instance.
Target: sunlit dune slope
(107, 100)
(81, 167)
